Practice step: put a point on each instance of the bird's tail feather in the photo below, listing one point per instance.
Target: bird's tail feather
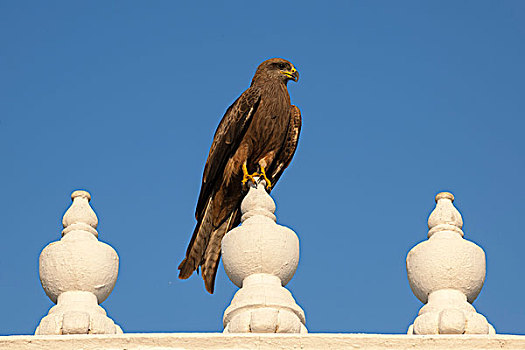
(213, 252)
(198, 243)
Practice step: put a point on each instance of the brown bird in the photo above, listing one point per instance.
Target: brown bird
(257, 136)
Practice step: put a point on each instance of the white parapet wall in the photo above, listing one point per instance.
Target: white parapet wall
(446, 272)
(216, 341)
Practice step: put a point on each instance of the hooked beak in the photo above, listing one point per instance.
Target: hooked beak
(291, 74)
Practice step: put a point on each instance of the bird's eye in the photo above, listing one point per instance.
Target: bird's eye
(282, 65)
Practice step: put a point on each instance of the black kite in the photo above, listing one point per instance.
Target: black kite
(258, 135)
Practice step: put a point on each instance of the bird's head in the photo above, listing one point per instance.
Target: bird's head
(276, 69)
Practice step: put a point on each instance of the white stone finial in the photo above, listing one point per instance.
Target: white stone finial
(447, 272)
(261, 257)
(78, 273)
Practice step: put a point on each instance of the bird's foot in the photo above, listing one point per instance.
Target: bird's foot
(251, 177)
(266, 179)
(246, 176)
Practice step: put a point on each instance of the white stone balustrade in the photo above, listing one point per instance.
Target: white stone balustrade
(78, 273)
(447, 272)
(261, 257)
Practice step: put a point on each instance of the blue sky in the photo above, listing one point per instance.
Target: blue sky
(400, 100)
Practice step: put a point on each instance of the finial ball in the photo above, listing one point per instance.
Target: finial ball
(445, 195)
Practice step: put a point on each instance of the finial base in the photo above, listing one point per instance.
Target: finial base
(77, 312)
(448, 312)
(263, 305)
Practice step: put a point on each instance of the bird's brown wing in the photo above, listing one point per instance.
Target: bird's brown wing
(287, 151)
(227, 138)
(211, 205)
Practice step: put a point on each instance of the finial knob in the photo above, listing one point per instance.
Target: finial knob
(257, 202)
(80, 215)
(444, 195)
(445, 217)
(81, 193)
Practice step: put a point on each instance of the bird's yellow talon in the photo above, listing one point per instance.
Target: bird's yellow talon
(268, 182)
(246, 176)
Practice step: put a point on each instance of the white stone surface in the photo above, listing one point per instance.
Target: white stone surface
(447, 273)
(261, 257)
(78, 273)
(220, 341)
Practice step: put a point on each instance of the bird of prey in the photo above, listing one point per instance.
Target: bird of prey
(257, 136)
